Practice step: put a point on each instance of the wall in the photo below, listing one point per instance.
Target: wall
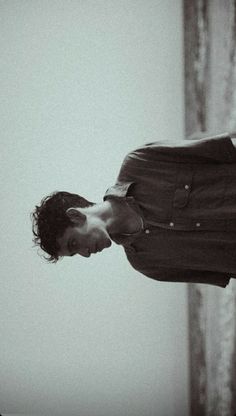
(210, 46)
(82, 83)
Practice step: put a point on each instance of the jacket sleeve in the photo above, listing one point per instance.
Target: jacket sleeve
(216, 149)
(190, 276)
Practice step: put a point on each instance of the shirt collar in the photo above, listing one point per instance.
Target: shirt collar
(119, 190)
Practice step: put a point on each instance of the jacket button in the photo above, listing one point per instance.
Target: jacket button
(147, 231)
(198, 224)
(171, 224)
(186, 186)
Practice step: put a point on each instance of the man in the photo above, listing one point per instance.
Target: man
(173, 209)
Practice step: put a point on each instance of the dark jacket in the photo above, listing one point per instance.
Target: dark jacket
(185, 192)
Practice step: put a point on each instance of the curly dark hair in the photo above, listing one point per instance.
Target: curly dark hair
(49, 220)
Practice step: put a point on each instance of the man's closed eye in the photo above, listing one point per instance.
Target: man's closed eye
(71, 246)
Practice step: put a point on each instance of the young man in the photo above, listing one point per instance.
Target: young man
(172, 208)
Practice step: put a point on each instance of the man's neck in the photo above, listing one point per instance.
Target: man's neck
(122, 218)
(118, 217)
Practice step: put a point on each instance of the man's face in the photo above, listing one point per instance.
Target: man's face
(90, 237)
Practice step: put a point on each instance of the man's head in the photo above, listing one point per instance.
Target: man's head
(61, 226)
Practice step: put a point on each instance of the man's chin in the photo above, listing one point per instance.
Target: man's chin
(105, 244)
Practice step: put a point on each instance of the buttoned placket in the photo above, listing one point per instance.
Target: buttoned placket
(172, 224)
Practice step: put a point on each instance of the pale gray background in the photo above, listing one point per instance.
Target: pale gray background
(82, 83)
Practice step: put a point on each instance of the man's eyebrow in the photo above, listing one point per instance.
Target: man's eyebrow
(68, 247)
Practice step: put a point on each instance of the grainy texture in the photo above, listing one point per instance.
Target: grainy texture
(196, 64)
(210, 98)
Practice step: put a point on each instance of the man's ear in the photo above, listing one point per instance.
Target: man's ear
(76, 216)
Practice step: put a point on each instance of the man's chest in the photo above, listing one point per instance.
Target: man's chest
(190, 191)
